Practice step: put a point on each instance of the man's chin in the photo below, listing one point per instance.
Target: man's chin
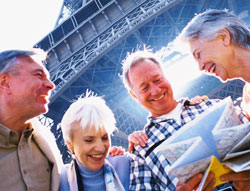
(43, 110)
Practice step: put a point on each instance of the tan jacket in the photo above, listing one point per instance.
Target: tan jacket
(46, 142)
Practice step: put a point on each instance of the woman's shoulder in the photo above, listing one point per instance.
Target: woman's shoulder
(64, 184)
(118, 160)
(121, 165)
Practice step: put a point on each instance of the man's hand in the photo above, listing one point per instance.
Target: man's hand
(194, 182)
(137, 138)
(115, 150)
(198, 99)
(241, 180)
(191, 184)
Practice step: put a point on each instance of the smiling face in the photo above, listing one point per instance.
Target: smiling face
(90, 147)
(151, 88)
(215, 57)
(30, 88)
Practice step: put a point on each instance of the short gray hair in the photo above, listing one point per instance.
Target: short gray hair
(87, 112)
(8, 58)
(134, 58)
(206, 25)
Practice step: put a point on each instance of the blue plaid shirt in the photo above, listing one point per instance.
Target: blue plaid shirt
(149, 168)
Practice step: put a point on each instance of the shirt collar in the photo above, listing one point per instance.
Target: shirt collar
(28, 131)
(9, 138)
(151, 121)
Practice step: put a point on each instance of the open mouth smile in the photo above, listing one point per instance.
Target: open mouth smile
(97, 156)
(156, 99)
(212, 69)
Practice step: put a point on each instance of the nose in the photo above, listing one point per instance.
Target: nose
(155, 90)
(100, 146)
(201, 65)
(49, 84)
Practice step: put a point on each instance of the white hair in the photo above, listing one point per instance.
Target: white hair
(87, 112)
(134, 58)
(207, 25)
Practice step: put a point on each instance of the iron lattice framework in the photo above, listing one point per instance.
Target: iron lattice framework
(71, 67)
(69, 7)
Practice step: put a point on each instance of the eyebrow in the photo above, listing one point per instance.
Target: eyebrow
(42, 71)
(84, 137)
(39, 70)
(142, 84)
(156, 76)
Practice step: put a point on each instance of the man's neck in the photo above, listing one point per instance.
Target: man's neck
(14, 123)
(170, 109)
(13, 118)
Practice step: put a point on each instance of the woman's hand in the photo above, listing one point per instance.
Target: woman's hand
(116, 150)
(198, 99)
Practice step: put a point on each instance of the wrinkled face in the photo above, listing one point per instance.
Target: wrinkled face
(151, 88)
(90, 147)
(214, 57)
(30, 88)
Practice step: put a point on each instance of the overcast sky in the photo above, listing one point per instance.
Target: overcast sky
(25, 22)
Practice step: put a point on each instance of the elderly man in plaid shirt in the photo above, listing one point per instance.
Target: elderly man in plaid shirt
(145, 81)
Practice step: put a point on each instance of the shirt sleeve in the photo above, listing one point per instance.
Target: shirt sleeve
(151, 173)
(140, 175)
(121, 164)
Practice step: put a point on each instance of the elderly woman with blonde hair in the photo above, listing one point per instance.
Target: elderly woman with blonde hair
(87, 126)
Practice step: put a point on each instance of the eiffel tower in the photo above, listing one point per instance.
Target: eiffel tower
(92, 37)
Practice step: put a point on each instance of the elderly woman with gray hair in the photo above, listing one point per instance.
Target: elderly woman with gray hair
(220, 42)
(87, 126)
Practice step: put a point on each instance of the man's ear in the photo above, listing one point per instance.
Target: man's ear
(225, 36)
(70, 146)
(4, 83)
(132, 94)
